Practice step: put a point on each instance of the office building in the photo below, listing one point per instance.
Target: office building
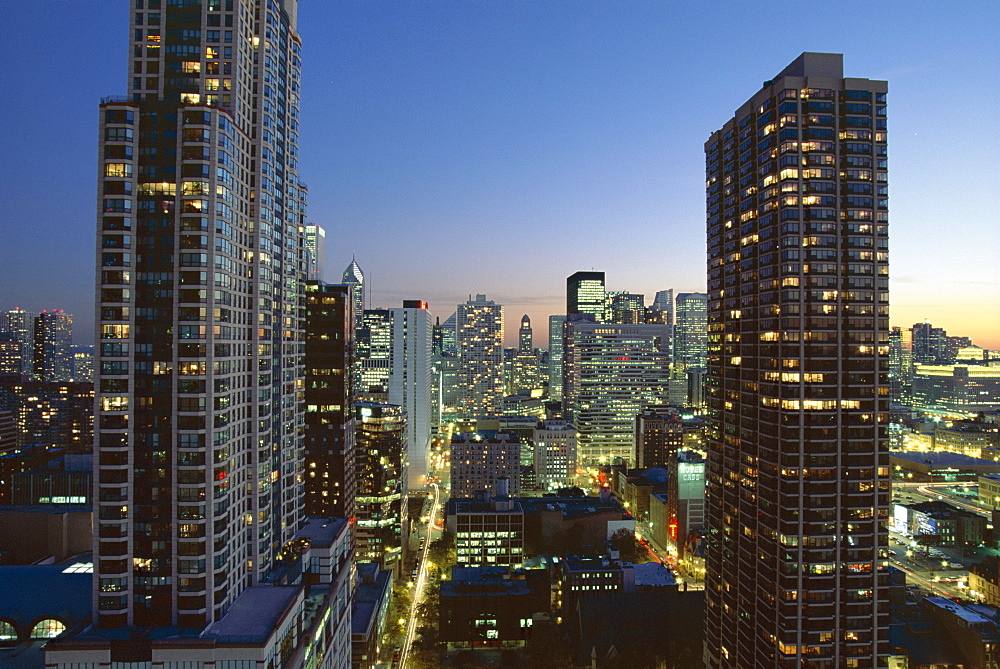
(624, 307)
(662, 308)
(449, 335)
(929, 344)
(524, 339)
(480, 459)
(556, 356)
(314, 239)
(691, 331)
(611, 373)
(330, 455)
(380, 506)
(798, 465)
(411, 384)
(479, 339)
(487, 531)
(374, 355)
(970, 385)
(659, 435)
(585, 295)
(20, 327)
(355, 278)
(199, 423)
(554, 457)
(52, 353)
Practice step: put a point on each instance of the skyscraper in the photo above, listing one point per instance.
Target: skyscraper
(382, 525)
(374, 355)
(556, 356)
(329, 397)
(524, 336)
(479, 336)
(199, 421)
(315, 243)
(52, 352)
(691, 330)
(21, 326)
(355, 278)
(585, 295)
(663, 304)
(625, 307)
(929, 344)
(798, 471)
(611, 372)
(411, 383)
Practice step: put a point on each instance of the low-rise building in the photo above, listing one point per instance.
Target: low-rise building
(492, 606)
(301, 618)
(939, 466)
(984, 581)
(989, 490)
(487, 532)
(939, 523)
(372, 592)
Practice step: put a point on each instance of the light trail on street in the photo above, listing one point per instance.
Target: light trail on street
(422, 576)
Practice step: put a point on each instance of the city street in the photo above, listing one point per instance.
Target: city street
(432, 532)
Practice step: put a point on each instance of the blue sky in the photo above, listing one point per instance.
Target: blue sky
(466, 147)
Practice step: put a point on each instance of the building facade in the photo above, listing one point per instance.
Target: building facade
(52, 347)
(691, 330)
(315, 243)
(611, 373)
(199, 361)
(554, 457)
(480, 459)
(380, 502)
(479, 339)
(330, 472)
(585, 295)
(411, 383)
(20, 327)
(798, 467)
(659, 435)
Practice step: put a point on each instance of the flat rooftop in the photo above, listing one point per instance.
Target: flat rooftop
(255, 614)
(941, 459)
(322, 531)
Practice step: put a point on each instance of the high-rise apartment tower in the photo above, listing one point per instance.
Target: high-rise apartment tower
(199, 420)
(798, 470)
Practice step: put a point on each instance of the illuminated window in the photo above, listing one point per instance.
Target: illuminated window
(7, 631)
(48, 628)
(118, 170)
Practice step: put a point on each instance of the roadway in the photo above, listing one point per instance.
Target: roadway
(422, 576)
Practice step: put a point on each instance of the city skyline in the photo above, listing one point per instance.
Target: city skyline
(550, 129)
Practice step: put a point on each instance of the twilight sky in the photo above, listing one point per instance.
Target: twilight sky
(463, 146)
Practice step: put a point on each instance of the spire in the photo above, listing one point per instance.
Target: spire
(353, 273)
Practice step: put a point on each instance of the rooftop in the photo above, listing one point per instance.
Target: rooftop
(255, 614)
(653, 574)
(29, 593)
(322, 531)
(940, 458)
(967, 615)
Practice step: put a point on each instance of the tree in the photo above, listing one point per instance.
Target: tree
(629, 547)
